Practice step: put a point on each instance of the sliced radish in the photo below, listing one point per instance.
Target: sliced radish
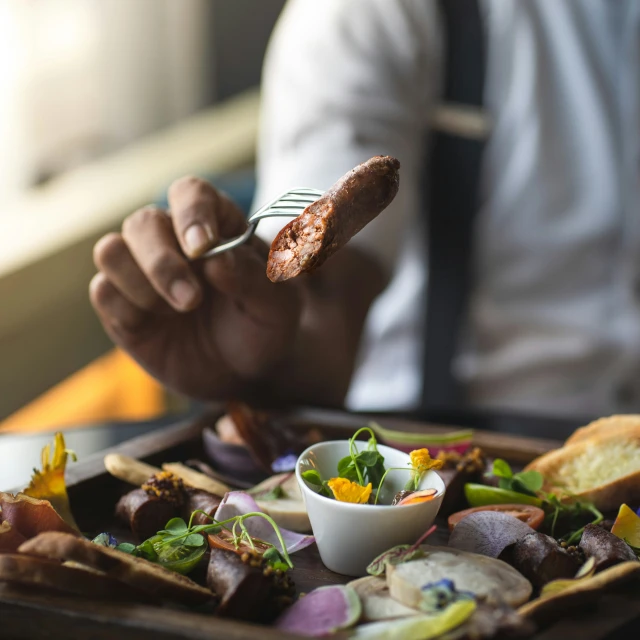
(488, 533)
(322, 612)
(416, 497)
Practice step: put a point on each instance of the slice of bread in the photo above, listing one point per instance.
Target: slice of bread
(42, 573)
(135, 572)
(618, 424)
(603, 469)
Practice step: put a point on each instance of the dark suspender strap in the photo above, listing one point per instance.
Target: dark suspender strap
(452, 203)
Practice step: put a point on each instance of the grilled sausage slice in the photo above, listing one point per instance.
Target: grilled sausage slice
(606, 548)
(145, 514)
(329, 223)
(540, 559)
(200, 500)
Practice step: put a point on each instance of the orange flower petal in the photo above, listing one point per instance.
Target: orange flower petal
(421, 461)
(347, 491)
(627, 526)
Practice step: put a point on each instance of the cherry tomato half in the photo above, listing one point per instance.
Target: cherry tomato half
(533, 516)
(224, 540)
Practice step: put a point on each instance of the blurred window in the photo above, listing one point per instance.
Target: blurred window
(81, 78)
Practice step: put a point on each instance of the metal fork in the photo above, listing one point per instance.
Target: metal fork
(289, 204)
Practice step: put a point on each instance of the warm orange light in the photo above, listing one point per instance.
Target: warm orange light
(113, 387)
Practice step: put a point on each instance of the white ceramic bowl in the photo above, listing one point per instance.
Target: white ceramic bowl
(350, 536)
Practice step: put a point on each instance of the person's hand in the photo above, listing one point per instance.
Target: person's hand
(204, 328)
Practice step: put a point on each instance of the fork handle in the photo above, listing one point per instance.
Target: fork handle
(231, 244)
(251, 229)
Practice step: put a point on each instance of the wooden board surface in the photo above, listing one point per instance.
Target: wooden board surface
(93, 494)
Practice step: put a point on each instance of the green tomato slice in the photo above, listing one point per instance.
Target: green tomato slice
(179, 558)
(480, 495)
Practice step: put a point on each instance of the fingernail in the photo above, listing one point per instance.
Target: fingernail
(197, 238)
(183, 293)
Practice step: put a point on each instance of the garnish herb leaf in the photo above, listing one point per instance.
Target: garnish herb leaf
(312, 477)
(126, 547)
(274, 494)
(369, 458)
(180, 541)
(501, 469)
(147, 550)
(526, 482)
(274, 559)
(326, 490)
(344, 465)
(532, 480)
(193, 540)
(176, 526)
(564, 520)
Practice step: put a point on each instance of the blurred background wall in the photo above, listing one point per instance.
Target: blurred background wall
(102, 104)
(82, 78)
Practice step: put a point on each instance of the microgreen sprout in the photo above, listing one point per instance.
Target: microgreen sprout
(530, 483)
(189, 537)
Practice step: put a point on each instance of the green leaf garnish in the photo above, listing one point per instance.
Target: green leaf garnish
(312, 477)
(501, 469)
(126, 547)
(532, 480)
(344, 465)
(526, 482)
(180, 546)
(275, 493)
(369, 458)
(176, 526)
(193, 540)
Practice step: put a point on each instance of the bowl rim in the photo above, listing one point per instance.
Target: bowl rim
(351, 505)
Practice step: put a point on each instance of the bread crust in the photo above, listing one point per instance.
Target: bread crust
(136, 572)
(42, 573)
(618, 424)
(607, 496)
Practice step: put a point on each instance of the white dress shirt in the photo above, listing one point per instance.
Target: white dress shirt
(554, 320)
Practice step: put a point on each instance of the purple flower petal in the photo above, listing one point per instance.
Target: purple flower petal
(237, 503)
(284, 463)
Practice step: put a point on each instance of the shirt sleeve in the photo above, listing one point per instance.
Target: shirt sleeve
(345, 80)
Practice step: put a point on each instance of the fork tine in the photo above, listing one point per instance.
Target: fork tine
(293, 198)
(289, 204)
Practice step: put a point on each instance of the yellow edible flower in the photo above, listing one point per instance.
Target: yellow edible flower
(421, 461)
(49, 484)
(627, 526)
(346, 491)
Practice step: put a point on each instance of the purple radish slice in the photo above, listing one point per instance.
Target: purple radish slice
(237, 503)
(488, 533)
(322, 612)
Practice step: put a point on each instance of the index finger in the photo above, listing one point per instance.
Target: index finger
(202, 215)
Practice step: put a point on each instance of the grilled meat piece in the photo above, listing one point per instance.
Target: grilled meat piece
(606, 548)
(540, 559)
(329, 223)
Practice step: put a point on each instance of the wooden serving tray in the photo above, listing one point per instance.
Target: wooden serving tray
(93, 492)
